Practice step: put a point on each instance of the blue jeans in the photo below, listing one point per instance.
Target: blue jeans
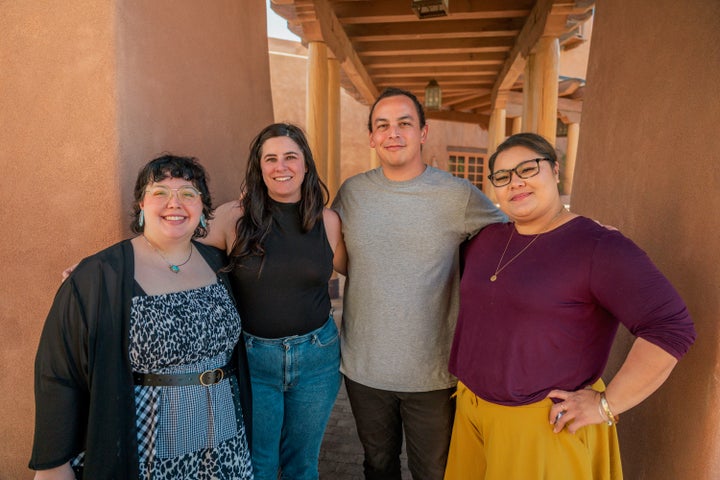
(295, 381)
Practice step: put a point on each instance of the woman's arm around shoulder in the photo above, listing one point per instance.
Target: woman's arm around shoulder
(333, 229)
(221, 229)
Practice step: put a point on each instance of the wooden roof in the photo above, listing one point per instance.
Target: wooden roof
(476, 51)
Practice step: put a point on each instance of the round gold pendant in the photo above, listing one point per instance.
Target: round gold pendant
(493, 278)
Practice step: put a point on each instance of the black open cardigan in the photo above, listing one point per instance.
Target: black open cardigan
(84, 396)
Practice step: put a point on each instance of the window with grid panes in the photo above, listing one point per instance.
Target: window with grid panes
(467, 163)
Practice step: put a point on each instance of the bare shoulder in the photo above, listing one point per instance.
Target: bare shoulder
(331, 217)
(333, 226)
(221, 229)
(229, 211)
(333, 230)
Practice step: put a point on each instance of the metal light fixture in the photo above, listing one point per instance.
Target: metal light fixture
(430, 8)
(433, 96)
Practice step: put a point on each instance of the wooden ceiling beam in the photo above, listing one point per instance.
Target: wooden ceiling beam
(548, 17)
(480, 101)
(383, 11)
(438, 75)
(450, 100)
(526, 40)
(380, 32)
(444, 46)
(462, 117)
(445, 83)
(319, 23)
(411, 69)
(469, 60)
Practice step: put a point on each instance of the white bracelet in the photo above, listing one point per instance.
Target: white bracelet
(612, 419)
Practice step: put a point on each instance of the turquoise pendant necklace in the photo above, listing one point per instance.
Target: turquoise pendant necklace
(175, 268)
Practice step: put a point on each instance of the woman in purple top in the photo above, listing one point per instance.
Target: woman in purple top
(540, 302)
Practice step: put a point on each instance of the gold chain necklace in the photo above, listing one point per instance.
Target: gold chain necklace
(175, 268)
(499, 269)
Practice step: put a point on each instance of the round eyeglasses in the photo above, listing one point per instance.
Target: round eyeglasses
(185, 194)
(525, 169)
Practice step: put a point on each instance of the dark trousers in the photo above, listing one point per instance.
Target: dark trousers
(382, 415)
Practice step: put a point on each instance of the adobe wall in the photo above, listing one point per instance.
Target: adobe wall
(648, 164)
(89, 92)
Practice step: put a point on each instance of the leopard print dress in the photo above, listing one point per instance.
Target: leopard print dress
(192, 432)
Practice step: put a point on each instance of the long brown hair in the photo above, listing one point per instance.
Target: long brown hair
(253, 227)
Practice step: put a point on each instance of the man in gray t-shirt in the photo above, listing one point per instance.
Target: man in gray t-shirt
(402, 225)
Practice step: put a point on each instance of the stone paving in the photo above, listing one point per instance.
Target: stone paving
(341, 454)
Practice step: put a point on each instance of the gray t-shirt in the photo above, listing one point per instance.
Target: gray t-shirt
(401, 294)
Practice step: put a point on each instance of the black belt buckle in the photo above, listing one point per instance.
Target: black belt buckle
(211, 377)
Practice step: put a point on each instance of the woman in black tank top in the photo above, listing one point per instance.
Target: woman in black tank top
(283, 245)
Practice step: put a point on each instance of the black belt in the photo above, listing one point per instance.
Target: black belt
(206, 378)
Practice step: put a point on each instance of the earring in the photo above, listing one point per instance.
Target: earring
(141, 218)
(203, 221)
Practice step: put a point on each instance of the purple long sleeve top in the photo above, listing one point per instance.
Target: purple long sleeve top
(550, 318)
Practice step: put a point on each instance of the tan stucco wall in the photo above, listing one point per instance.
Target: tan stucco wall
(89, 91)
(647, 163)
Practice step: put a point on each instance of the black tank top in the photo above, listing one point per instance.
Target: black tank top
(290, 296)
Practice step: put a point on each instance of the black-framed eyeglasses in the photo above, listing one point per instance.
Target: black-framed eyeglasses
(185, 194)
(525, 169)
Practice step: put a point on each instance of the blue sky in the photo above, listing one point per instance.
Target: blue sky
(277, 26)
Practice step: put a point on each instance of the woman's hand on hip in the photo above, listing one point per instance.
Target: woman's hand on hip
(575, 410)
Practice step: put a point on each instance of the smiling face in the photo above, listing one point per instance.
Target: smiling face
(283, 169)
(169, 218)
(397, 137)
(530, 200)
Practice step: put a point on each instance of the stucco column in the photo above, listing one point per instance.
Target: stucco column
(90, 92)
(333, 149)
(540, 92)
(317, 105)
(570, 156)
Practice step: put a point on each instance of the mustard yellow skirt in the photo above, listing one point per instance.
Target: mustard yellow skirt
(496, 442)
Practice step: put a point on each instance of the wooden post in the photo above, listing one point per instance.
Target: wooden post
(333, 148)
(540, 93)
(570, 157)
(529, 117)
(374, 160)
(317, 105)
(516, 125)
(496, 135)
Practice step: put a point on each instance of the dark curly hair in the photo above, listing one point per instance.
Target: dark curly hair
(172, 166)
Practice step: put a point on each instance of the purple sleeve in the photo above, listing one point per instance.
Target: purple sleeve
(627, 284)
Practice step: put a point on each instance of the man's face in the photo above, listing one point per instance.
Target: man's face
(396, 134)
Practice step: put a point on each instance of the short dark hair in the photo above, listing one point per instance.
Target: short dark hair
(533, 141)
(172, 166)
(395, 92)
